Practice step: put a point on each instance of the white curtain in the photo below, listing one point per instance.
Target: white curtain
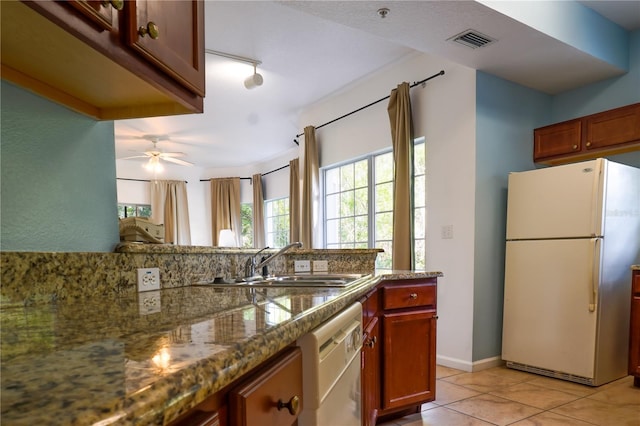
(169, 206)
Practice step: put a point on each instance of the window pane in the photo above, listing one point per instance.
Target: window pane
(332, 206)
(143, 210)
(361, 201)
(277, 222)
(332, 181)
(333, 237)
(383, 261)
(384, 167)
(419, 224)
(384, 197)
(346, 204)
(362, 229)
(384, 226)
(346, 177)
(418, 191)
(246, 217)
(419, 157)
(362, 174)
(420, 261)
(347, 230)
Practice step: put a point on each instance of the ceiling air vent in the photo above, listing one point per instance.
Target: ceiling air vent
(472, 39)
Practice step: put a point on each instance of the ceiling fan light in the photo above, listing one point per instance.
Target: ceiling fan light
(153, 165)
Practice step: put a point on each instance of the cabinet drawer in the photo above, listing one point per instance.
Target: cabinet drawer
(408, 296)
(256, 401)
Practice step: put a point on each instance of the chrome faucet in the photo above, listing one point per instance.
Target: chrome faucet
(252, 263)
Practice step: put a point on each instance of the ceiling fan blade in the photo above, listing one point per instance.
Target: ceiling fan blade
(172, 154)
(135, 156)
(177, 161)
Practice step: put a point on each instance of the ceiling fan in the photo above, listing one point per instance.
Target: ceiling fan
(155, 155)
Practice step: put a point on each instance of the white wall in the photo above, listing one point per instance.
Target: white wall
(444, 112)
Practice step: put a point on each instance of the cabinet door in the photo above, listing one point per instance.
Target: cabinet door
(615, 127)
(408, 358)
(557, 139)
(370, 376)
(99, 12)
(634, 337)
(170, 34)
(272, 397)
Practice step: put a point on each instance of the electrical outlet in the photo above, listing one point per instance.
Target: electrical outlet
(149, 302)
(148, 279)
(302, 265)
(320, 266)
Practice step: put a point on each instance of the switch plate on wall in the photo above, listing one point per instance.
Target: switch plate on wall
(302, 265)
(148, 279)
(320, 266)
(447, 232)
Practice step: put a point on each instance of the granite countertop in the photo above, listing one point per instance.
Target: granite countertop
(117, 360)
(635, 267)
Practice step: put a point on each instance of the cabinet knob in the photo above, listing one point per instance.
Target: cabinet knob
(151, 29)
(293, 405)
(116, 4)
(413, 296)
(371, 342)
(575, 147)
(588, 144)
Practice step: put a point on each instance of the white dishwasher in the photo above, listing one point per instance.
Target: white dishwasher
(331, 371)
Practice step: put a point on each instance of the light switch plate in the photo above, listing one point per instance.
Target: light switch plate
(148, 279)
(302, 265)
(320, 266)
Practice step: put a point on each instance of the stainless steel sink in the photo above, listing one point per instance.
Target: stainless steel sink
(300, 280)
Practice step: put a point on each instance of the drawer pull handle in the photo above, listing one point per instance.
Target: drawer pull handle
(151, 29)
(371, 342)
(575, 147)
(293, 405)
(588, 144)
(413, 296)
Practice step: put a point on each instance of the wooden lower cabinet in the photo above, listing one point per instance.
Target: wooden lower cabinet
(634, 329)
(399, 349)
(270, 396)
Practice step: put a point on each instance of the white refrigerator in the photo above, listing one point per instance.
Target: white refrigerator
(573, 231)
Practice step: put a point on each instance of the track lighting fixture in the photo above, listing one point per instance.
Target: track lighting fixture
(253, 80)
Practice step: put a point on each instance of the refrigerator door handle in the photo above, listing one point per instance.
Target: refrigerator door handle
(593, 296)
(595, 190)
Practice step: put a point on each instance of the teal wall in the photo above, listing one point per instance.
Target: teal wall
(506, 115)
(58, 177)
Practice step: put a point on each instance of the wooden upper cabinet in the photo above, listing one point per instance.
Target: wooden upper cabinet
(606, 133)
(558, 139)
(76, 53)
(610, 128)
(169, 34)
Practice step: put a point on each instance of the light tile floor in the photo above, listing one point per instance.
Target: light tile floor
(501, 396)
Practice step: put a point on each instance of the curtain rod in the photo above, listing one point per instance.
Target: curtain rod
(248, 178)
(141, 180)
(371, 104)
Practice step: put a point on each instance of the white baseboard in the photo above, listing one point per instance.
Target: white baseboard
(459, 364)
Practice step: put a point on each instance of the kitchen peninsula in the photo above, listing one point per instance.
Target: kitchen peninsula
(109, 359)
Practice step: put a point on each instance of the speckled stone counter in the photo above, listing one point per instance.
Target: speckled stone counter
(635, 267)
(113, 360)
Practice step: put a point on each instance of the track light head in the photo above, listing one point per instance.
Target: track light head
(253, 81)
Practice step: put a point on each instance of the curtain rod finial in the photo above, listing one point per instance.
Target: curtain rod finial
(296, 142)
